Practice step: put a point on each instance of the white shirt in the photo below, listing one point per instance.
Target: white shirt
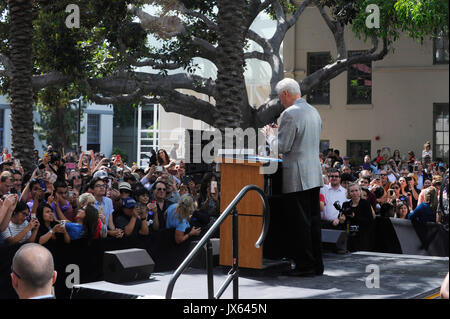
(332, 195)
(13, 230)
(391, 177)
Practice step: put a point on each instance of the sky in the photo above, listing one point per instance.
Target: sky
(257, 72)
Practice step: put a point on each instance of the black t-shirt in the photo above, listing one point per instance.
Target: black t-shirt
(364, 239)
(123, 220)
(57, 238)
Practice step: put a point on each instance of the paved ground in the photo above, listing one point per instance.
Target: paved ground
(346, 276)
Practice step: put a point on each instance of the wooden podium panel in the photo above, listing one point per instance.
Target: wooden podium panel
(235, 176)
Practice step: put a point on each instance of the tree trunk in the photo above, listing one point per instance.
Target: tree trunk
(230, 91)
(21, 93)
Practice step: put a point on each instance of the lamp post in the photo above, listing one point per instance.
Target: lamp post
(79, 121)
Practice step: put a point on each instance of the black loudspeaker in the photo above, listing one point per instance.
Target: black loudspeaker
(334, 240)
(127, 265)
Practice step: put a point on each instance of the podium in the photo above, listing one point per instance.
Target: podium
(235, 175)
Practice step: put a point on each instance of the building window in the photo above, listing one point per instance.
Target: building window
(441, 131)
(359, 82)
(148, 132)
(356, 150)
(324, 146)
(320, 94)
(2, 125)
(93, 132)
(440, 49)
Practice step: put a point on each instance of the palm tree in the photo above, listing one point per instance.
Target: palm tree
(21, 92)
(231, 92)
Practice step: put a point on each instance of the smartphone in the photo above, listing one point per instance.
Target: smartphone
(70, 166)
(43, 185)
(391, 192)
(70, 193)
(159, 169)
(213, 187)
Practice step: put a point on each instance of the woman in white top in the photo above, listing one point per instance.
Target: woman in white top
(19, 229)
(427, 150)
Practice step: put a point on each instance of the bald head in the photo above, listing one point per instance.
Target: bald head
(34, 264)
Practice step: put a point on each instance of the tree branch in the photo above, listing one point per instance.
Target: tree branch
(211, 25)
(147, 62)
(268, 113)
(129, 82)
(120, 99)
(53, 78)
(297, 13)
(337, 29)
(164, 26)
(332, 70)
(252, 35)
(188, 105)
(257, 55)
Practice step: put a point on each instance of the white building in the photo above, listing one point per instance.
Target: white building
(96, 127)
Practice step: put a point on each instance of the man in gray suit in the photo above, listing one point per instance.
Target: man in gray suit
(299, 141)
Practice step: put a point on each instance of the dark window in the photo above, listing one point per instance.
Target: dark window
(441, 131)
(324, 145)
(359, 82)
(93, 132)
(440, 49)
(2, 125)
(320, 94)
(356, 150)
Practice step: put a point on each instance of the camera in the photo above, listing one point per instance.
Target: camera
(351, 229)
(54, 157)
(347, 211)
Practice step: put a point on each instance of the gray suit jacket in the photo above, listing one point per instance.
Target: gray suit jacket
(299, 142)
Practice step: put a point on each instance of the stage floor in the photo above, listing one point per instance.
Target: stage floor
(348, 276)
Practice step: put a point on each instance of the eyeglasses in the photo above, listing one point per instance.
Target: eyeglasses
(100, 186)
(16, 274)
(161, 189)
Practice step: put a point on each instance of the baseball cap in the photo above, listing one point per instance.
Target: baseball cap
(100, 174)
(128, 202)
(125, 186)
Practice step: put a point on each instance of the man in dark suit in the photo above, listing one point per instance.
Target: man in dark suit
(33, 273)
(299, 142)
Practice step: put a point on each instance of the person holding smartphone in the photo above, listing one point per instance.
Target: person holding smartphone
(178, 216)
(19, 229)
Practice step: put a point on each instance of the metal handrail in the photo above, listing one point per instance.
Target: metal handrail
(230, 209)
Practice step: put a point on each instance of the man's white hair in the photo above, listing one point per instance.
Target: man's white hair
(289, 85)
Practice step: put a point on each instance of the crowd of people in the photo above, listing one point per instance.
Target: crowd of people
(391, 185)
(88, 195)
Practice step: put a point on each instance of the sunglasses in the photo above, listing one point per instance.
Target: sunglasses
(161, 189)
(16, 274)
(76, 177)
(395, 187)
(333, 176)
